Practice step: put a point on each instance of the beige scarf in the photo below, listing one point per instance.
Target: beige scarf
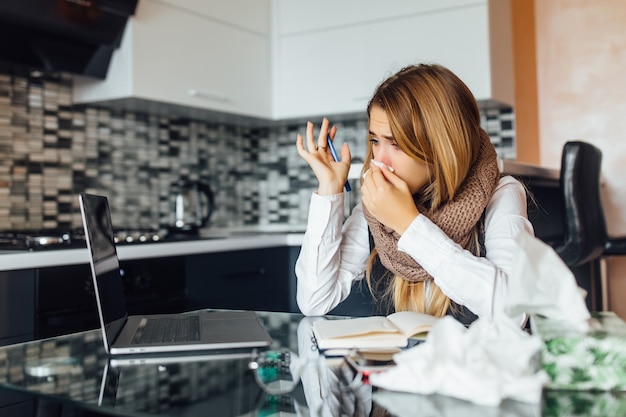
(456, 218)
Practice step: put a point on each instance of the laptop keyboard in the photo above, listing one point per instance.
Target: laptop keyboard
(168, 330)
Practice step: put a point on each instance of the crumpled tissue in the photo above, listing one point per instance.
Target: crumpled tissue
(543, 285)
(485, 363)
(494, 358)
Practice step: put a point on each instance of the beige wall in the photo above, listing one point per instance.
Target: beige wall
(581, 94)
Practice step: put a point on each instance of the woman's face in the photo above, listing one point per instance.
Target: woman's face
(386, 150)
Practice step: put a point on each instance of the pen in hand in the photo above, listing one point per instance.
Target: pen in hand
(333, 152)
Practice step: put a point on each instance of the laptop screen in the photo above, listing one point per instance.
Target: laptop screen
(104, 263)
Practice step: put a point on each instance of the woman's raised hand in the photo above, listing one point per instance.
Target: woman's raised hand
(331, 175)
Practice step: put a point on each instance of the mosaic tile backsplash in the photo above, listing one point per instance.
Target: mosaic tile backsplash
(50, 150)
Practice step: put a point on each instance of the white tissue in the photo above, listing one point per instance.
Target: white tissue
(541, 284)
(380, 165)
(484, 364)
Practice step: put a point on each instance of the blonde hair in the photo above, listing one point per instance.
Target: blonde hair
(433, 118)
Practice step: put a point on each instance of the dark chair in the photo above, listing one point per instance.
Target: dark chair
(585, 241)
(584, 228)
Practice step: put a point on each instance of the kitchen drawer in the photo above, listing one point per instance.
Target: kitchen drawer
(256, 279)
(15, 404)
(17, 306)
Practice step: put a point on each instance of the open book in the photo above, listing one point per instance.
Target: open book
(372, 332)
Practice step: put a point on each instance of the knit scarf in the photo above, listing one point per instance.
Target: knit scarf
(456, 218)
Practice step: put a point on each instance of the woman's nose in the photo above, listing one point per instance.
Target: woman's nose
(381, 154)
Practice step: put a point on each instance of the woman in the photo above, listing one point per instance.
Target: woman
(434, 210)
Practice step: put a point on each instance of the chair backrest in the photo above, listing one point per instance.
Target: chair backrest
(584, 224)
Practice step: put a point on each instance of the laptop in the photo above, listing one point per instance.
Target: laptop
(124, 334)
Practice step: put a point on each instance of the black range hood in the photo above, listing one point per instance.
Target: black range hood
(74, 36)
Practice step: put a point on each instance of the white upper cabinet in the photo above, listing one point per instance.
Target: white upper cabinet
(330, 56)
(206, 55)
(283, 59)
(250, 15)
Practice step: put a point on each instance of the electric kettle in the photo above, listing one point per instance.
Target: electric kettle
(191, 206)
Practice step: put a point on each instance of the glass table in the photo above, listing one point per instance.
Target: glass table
(73, 376)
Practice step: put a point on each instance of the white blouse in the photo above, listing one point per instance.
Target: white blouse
(334, 253)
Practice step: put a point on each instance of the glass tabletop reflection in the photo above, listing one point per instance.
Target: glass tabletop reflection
(288, 378)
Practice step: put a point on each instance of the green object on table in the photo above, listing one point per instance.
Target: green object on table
(592, 361)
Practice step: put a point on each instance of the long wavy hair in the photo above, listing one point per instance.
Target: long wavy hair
(434, 118)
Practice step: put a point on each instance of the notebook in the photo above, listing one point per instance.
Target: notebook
(124, 334)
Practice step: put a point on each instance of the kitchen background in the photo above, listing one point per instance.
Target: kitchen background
(50, 150)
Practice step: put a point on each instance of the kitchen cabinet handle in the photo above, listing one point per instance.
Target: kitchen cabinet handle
(201, 94)
(245, 274)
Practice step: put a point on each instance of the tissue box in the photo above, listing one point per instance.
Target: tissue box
(589, 361)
